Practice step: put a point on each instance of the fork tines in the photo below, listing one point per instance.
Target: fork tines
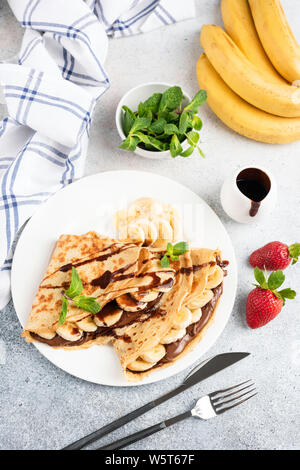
(218, 398)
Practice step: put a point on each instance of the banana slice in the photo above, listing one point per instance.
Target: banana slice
(139, 365)
(183, 318)
(196, 315)
(176, 225)
(46, 333)
(120, 218)
(145, 296)
(154, 355)
(69, 332)
(215, 279)
(167, 281)
(87, 324)
(110, 319)
(165, 230)
(135, 233)
(201, 300)
(173, 335)
(129, 304)
(145, 206)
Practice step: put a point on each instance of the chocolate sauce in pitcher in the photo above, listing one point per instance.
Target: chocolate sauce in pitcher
(255, 185)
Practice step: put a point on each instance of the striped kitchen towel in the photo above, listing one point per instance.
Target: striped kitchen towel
(50, 96)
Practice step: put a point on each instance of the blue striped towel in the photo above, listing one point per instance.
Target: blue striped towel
(50, 96)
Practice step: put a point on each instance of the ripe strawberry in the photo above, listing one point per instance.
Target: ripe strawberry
(265, 302)
(274, 256)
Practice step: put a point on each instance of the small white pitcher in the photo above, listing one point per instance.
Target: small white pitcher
(249, 194)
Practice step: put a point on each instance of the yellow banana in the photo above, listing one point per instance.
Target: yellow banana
(240, 115)
(246, 79)
(238, 22)
(277, 37)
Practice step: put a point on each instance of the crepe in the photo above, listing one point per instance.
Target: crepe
(152, 314)
(108, 269)
(189, 309)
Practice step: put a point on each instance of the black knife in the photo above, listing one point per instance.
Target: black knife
(201, 372)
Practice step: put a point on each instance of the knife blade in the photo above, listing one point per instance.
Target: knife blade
(201, 372)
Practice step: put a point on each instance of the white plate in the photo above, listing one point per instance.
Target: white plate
(89, 204)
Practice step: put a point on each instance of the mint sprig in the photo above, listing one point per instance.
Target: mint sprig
(160, 123)
(173, 252)
(73, 293)
(275, 280)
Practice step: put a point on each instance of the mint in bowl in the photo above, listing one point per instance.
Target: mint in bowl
(158, 120)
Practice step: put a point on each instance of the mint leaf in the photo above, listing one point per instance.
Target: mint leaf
(128, 119)
(89, 304)
(196, 123)
(158, 126)
(275, 280)
(294, 251)
(192, 138)
(260, 278)
(164, 262)
(130, 143)
(200, 151)
(171, 129)
(169, 249)
(187, 152)
(151, 104)
(196, 102)
(149, 140)
(184, 122)
(180, 248)
(140, 123)
(64, 309)
(175, 146)
(76, 284)
(171, 99)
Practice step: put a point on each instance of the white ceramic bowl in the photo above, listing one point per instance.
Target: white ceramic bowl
(132, 99)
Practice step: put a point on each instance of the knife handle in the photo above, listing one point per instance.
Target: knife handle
(94, 436)
(137, 436)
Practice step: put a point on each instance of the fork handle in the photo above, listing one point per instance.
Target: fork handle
(131, 438)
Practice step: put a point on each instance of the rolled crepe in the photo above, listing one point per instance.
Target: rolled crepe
(189, 309)
(108, 269)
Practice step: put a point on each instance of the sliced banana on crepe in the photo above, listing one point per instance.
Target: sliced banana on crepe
(46, 333)
(145, 206)
(215, 279)
(154, 355)
(135, 233)
(182, 318)
(173, 335)
(69, 332)
(196, 315)
(129, 304)
(87, 324)
(110, 319)
(165, 230)
(145, 296)
(148, 221)
(139, 365)
(201, 300)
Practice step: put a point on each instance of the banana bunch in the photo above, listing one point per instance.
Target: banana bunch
(251, 71)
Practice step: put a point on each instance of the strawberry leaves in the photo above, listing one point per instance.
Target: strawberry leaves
(275, 280)
(294, 251)
(73, 293)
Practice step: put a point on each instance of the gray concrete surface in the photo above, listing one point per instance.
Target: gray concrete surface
(42, 407)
